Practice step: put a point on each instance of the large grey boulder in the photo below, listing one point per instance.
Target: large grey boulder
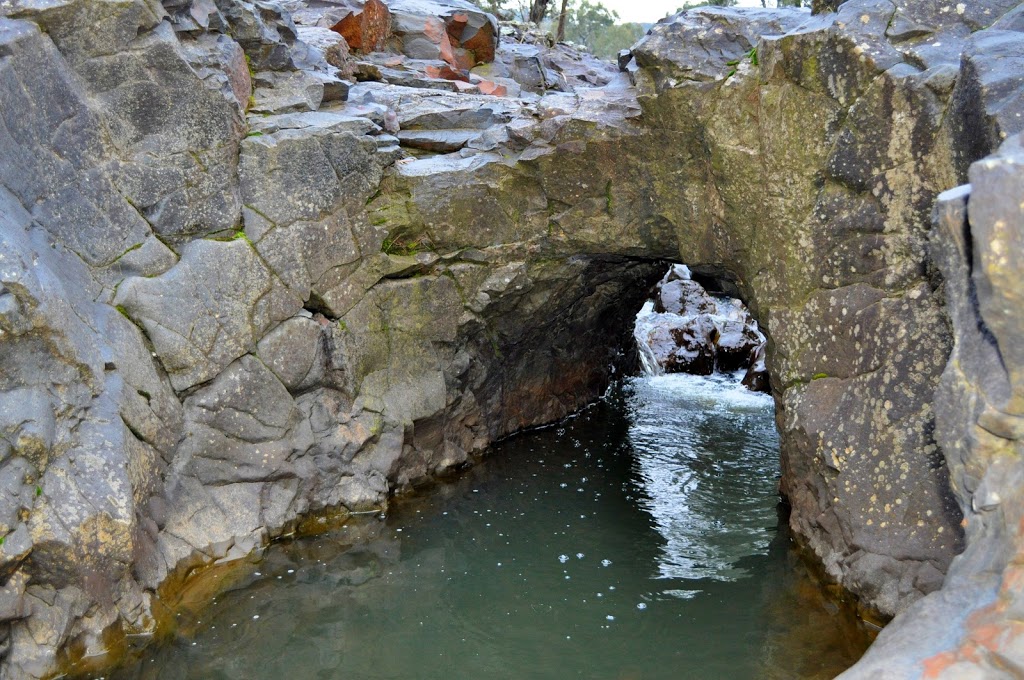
(966, 629)
(209, 310)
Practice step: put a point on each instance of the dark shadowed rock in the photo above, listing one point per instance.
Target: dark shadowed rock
(756, 378)
(685, 345)
(735, 344)
(440, 141)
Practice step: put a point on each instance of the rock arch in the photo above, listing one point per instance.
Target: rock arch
(221, 315)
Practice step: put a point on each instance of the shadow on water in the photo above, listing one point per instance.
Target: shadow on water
(617, 544)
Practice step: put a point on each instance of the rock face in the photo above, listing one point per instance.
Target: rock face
(231, 296)
(970, 628)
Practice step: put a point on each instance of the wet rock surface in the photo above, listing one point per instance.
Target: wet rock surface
(238, 287)
(691, 331)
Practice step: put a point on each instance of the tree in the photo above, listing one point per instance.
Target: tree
(538, 10)
(560, 33)
(587, 20)
(709, 3)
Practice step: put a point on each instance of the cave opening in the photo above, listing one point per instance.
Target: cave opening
(640, 535)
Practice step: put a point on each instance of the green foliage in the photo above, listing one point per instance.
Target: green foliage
(707, 3)
(608, 42)
(396, 245)
(39, 491)
(751, 55)
(732, 3)
(584, 21)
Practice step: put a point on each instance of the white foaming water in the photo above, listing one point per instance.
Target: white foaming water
(727, 309)
(706, 455)
(707, 458)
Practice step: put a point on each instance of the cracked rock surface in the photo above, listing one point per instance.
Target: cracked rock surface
(252, 272)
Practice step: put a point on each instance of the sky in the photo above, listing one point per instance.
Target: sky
(649, 11)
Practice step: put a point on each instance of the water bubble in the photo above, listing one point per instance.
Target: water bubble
(610, 618)
(255, 616)
(606, 563)
(580, 556)
(641, 605)
(563, 558)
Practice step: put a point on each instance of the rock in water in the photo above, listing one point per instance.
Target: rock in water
(685, 345)
(756, 378)
(737, 341)
(686, 298)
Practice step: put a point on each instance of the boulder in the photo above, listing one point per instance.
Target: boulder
(366, 29)
(756, 378)
(736, 342)
(333, 46)
(683, 297)
(685, 345)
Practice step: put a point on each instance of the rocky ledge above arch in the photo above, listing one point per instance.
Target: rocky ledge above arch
(238, 289)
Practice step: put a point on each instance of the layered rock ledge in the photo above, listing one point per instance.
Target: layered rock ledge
(252, 271)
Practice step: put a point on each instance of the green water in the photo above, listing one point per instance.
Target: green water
(638, 540)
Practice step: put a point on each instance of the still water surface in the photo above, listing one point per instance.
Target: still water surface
(637, 540)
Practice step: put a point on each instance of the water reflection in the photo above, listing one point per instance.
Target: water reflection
(706, 451)
(635, 541)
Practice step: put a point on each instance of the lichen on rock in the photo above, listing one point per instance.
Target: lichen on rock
(238, 289)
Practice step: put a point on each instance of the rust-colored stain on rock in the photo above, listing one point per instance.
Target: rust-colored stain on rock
(367, 30)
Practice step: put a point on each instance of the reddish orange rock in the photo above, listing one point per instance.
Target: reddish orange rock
(447, 52)
(492, 88)
(367, 30)
(479, 41)
(446, 72)
(433, 29)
